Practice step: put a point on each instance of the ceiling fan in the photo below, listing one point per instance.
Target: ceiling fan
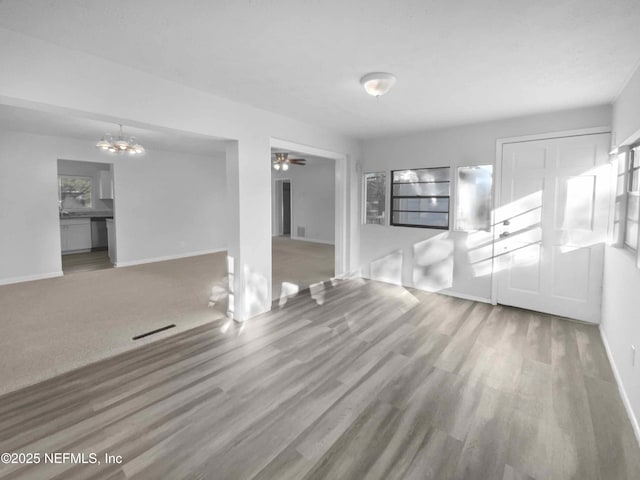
(282, 161)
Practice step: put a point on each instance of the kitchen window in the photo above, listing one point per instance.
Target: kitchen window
(421, 197)
(75, 192)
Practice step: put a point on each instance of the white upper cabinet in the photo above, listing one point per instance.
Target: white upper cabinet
(105, 180)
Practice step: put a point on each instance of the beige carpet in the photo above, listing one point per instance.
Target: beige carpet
(297, 265)
(55, 325)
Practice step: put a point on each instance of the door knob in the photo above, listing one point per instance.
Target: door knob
(504, 234)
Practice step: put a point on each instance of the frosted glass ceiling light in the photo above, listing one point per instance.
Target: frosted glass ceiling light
(120, 144)
(377, 84)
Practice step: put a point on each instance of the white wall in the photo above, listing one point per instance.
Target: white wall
(620, 324)
(414, 256)
(47, 77)
(167, 204)
(29, 216)
(312, 200)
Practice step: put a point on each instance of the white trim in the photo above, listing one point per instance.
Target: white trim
(559, 134)
(30, 278)
(464, 296)
(626, 82)
(497, 178)
(349, 275)
(313, 240)
(342, 207)
(633, 138)
(169, 257)
(73, 252)
(449, 293)
(621, 389)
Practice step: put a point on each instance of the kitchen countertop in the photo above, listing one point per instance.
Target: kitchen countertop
(87, 214)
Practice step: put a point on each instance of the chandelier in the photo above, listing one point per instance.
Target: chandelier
(120, 144)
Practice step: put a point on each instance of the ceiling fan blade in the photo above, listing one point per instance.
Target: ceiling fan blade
(297, 161)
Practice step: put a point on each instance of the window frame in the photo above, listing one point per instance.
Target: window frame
(632, 155)
(92, 192)
(625, 156)
(365, 201)
(489, 168)
(392, 197)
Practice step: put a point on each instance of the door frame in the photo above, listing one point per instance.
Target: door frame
(278, 184)
(497, 182)
(343, 202)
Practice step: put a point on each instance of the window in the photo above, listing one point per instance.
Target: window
(633, 199)
(375, 192)
(420, 198)
(75, 193)
(473, 198)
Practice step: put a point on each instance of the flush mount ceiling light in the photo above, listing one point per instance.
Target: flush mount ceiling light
(282, 161)
(120, 144)
(378, 83)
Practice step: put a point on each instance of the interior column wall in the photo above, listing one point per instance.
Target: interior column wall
(249, 250)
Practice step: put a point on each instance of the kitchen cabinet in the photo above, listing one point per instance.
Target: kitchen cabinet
(105, 184)
(75, 235)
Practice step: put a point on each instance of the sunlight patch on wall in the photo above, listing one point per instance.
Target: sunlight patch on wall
(433, 263)
(388, 268)
(256, 291)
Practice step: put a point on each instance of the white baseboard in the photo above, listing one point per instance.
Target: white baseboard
(623, 392)
(450, 293)
(73, 252)
(30, 278)
(464, 296)
(313, 240)
(348, 275)
(169, 257)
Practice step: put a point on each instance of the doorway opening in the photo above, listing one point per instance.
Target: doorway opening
(303, 223)
(85, 204)
(283, 206)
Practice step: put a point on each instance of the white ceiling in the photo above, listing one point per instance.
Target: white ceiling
(90, 131)
(456, 61)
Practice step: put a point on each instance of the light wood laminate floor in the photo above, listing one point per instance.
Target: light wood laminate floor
(86, 262)
(361, 380)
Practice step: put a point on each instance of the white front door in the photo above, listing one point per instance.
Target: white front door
(551, 225)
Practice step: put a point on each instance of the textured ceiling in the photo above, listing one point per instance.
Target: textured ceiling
(456, 62)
